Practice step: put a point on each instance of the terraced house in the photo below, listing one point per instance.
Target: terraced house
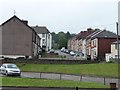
(94, 43)
(18, 39)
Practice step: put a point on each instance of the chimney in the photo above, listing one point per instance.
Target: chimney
(25, 22)
(89, 29)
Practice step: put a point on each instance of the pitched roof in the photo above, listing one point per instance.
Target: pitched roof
(40, 29)
(22, 21)
(84, 34)
(105, 34)
(93, 34)
(18, 19)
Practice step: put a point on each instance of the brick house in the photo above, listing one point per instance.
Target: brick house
(101, 44)
(82, 41)
(19, 39)
(94, 43)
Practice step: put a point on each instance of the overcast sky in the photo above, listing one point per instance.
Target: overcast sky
(63, 15)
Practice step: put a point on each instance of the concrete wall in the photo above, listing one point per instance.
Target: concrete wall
(49, 61)
(16, 38)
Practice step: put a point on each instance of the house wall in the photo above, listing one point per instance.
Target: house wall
(35, 44)
(94, 48)
(16, 38)
(76, 45)
(114, 50)
(104, 46)
(48, 41)
(84, 49)
(88, 47)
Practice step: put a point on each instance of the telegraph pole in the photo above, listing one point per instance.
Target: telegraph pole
(117, 41)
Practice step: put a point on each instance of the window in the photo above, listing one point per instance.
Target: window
(43, 41)
(48, 36)
(116, 46)
(43, 35)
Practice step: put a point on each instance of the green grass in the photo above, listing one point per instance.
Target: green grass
(106, 69)
(12, 81)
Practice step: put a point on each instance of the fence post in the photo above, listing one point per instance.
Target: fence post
(81, 78)
(60, 76)
(104, 80)
(40, 74)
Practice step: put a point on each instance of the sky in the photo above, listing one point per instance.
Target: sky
(63, 15)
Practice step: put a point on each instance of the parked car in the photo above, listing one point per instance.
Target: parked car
(62, 49)
(67, 51)
(10, 69)
(51, 51)
(72, 53)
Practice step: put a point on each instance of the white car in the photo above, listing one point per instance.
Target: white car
(10, 69)
(72, 53)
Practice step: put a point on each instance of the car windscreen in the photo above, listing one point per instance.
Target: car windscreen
(11, 66)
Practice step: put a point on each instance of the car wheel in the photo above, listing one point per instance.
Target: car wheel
(6, 73)
(19, 75)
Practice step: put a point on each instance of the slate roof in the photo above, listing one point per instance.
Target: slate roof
(84, 34)
(105, 34)
(93, 34)
(40, 29)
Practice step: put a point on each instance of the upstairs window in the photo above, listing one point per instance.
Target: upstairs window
(43, 35)
(43, 41)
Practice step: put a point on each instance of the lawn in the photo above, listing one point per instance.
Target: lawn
(105, 69)
(13, 81)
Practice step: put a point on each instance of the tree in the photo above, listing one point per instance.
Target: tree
(67, 35)
(60, 40)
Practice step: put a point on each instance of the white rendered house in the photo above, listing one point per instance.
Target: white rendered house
(45, 35)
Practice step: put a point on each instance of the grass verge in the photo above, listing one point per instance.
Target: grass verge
(13, 81)
(105, 69)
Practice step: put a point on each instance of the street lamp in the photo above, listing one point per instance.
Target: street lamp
(117, 41)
